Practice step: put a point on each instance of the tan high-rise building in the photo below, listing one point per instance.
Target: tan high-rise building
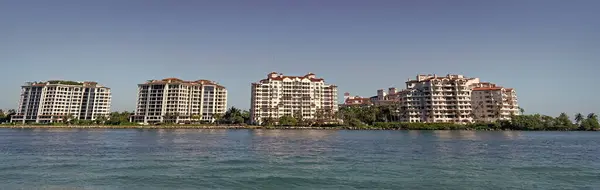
(173, 100)
(432, 98)
(455, 99)
(491, 102)
(58, 101)
(279, 95)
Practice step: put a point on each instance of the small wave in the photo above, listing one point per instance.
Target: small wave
(239, 161)
(547, 169)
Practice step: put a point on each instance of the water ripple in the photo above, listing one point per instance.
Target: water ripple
(297, 159)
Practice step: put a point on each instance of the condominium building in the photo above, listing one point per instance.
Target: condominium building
(431, 98)
(173, 100)
(305, 96)
(491, 102)
(359, 101)
(58, 101)
(389, 97)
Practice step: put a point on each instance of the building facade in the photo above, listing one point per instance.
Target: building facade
(491, 102)
(386, 98)
(305, 96)
(59, 101)
(173, 100)
(430, 98)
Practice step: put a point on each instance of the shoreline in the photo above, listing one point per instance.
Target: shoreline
(252, 127)
(163, 127)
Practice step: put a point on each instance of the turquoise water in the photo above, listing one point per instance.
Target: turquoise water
(297, 159)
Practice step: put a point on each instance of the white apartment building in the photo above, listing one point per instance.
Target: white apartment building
(431, 98)
(279, 95)
(491, 102)
(173, 100)
(56, 101)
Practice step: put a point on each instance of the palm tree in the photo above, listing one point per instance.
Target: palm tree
(592, 116)
(231, 114)
(217, 117)
(579, 118)
(299, 117)
(100, 119)
(2, 116)
(169, 117)
(319, 115)
(522, 110)
(196, 118)
(68, 119)
(246, 116)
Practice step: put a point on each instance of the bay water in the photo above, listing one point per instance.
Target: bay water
(297, 159)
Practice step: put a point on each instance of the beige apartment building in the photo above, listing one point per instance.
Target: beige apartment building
(455, 99)
(173, 100)
(432, 98)
(491, 102)
(279, 95)
(58, 101)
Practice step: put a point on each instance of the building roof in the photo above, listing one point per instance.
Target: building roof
(451, 77)
(487, 88)
(65, 83)
(281, 77)
(296, 77)
(357, 100)
(177, 80)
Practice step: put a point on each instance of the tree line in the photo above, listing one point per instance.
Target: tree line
(387, 117)
(372, 117)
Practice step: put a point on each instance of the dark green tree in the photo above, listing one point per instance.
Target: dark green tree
(287, 121)
(119, 118)
(233, 115)
(2, 116)
(590, 123)
(100, 119)
(522, 111)
(579, 118)
(246, 116)
(563, 122)
(268, 121)
(218, 118)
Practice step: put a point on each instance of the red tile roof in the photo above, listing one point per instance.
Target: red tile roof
(488, 88)
(357, 101)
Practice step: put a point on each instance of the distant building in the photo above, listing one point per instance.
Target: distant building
(355, 101)
(173, 100)
(391, 97)
(491, 102)
(431, 98)
(453, 99)
(305, 96)
(58, 101)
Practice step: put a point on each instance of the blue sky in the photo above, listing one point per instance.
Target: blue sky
(549, 50)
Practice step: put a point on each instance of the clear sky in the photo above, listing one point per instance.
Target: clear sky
(549, 50)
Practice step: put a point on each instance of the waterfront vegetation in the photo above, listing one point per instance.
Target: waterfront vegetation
(368, 118)
(384, 117)
(5, 116)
